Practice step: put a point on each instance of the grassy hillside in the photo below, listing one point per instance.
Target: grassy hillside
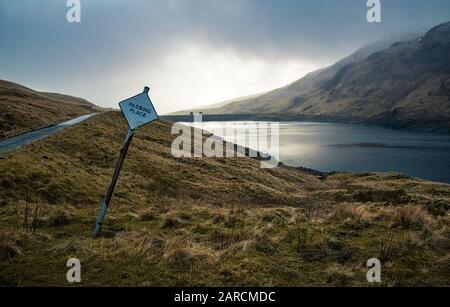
(197, 222)
(22, 109)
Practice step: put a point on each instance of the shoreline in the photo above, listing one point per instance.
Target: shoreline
(407, 126)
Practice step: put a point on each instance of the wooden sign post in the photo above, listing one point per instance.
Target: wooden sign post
(138, 111)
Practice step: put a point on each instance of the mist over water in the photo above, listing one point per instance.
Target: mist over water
(353, 148)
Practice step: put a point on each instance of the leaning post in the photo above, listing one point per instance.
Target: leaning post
(138, 111)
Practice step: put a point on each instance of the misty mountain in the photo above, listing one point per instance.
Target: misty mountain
(280, 100)
(405, 84)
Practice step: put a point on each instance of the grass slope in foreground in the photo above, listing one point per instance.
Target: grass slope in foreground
(205, 222)
(23, 110)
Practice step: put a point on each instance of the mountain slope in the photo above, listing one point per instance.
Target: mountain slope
(405, 86)
(280, 100)
(211, 109)
(23, 109)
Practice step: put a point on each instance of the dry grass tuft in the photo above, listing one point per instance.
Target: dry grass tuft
(412, 217)
(187, 252)
(354, 216)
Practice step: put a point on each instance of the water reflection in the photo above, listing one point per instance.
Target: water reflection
(353, 148)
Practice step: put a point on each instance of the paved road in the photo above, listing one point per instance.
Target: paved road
(29, 137)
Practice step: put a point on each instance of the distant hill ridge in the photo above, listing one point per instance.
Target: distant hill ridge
(7, 87)
(23, 109)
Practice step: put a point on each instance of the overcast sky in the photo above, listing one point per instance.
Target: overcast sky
(190, 52)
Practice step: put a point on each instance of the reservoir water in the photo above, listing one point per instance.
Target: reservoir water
(353, 148)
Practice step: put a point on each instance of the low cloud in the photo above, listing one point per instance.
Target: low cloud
(191, 52)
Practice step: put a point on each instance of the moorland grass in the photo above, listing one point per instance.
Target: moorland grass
(208, 222)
